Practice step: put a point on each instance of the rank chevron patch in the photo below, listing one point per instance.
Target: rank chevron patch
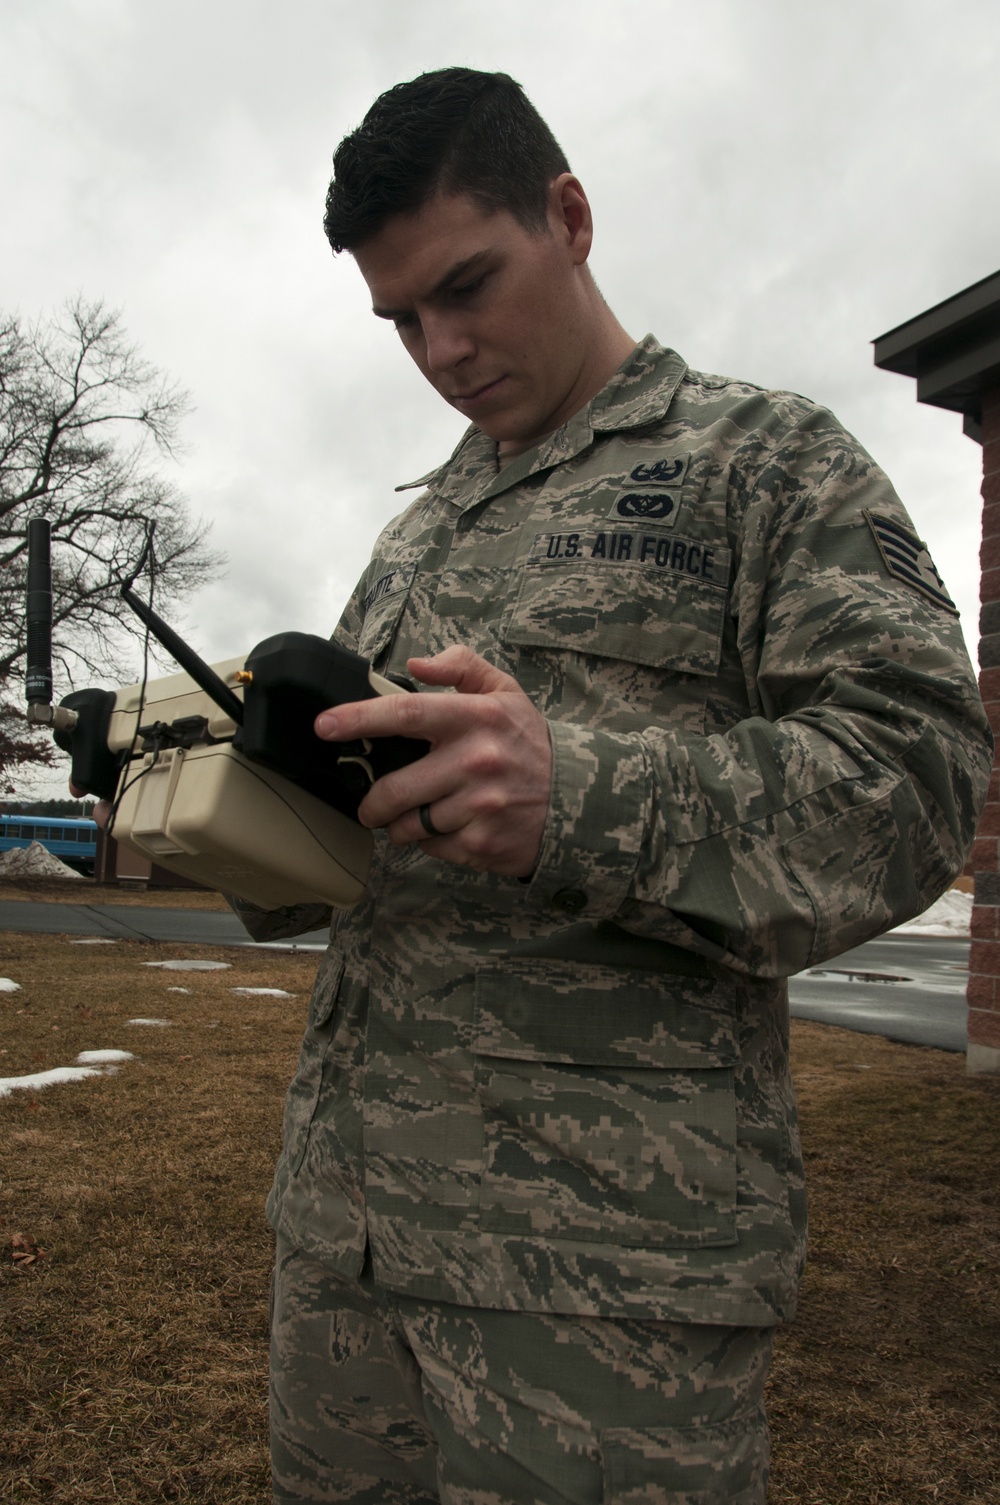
(907, 558)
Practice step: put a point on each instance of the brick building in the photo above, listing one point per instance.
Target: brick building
(953, 350)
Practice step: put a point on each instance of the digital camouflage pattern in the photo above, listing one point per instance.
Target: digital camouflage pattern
(398, 1401)
(572, 1095)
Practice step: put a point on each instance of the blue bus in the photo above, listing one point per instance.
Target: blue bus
(72, 841)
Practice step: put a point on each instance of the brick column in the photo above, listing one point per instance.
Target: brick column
(984, 962)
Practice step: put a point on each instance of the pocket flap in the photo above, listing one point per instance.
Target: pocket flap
(326, 988)
(383, 606)
(592, 1015)
(660, 602)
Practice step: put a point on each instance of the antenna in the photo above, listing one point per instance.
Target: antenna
(38, 677)
(203, 674)
(38, 672)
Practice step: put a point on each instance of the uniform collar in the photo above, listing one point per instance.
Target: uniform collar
(640, 392)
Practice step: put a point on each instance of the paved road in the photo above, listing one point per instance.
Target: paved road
(136, 922)
(909, 988)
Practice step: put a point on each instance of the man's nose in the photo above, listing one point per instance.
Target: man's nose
(446, 343)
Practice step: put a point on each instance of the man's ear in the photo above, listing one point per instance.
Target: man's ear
(570, 217)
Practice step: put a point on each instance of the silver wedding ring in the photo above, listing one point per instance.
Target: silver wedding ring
(425, 820)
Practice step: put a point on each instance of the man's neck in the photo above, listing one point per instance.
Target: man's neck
(615, 347)
(509, 449)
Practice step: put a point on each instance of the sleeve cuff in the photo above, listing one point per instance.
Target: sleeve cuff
(598, 810)
(277, 924)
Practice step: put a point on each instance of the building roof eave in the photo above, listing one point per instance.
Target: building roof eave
(953, 349)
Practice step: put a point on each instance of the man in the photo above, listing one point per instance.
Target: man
(707, 719)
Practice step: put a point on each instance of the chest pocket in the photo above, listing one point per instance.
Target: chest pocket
(383, 607)
(645, 596)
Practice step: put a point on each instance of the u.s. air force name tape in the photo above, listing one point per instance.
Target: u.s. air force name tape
(907, 558)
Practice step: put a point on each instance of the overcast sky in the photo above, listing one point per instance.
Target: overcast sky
(774, 183)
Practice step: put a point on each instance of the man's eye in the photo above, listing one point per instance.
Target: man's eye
(468, 288)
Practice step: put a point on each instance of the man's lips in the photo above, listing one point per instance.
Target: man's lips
(480, 394)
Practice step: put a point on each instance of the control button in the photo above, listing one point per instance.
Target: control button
(570, 900)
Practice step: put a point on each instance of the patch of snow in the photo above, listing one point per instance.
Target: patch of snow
(288, 946)
(157, 1023)
(34, 861)
(178, 990)
(190, 966)
(7, 986)
(89, 1063)
(38, 1079)
(264, 992)
(95, 940)
(951, 915)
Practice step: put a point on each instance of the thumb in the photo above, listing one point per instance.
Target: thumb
(463, 670)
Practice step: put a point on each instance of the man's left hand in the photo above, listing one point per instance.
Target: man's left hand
(484, 785)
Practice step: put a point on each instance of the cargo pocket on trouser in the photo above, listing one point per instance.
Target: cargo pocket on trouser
(609, 1105)
(303, 1094)
(724, 1463)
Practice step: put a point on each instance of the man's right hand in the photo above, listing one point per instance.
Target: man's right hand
(101, 810)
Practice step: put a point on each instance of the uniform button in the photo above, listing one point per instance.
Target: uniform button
(571, 900)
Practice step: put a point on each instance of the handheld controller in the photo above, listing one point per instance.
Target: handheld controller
(217, 773)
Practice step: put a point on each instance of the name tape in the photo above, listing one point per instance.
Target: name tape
(637, 550)
(389, 584)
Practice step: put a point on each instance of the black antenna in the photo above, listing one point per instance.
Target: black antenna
(203, 674)
(38, 675)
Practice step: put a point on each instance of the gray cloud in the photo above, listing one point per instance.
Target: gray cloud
(774, 185)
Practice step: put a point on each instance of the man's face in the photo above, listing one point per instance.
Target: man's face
(491, 313)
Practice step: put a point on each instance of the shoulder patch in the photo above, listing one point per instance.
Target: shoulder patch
(906, 557)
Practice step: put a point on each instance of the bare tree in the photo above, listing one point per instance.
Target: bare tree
(20, 746)
(82, 417)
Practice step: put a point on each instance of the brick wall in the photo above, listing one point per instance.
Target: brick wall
(984, 961)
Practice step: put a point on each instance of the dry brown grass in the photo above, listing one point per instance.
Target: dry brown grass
(85, 891)
(134, 1351)
(135, 1362)
(886, 1388)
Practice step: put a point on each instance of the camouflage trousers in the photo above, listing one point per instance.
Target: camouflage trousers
(386, 1400)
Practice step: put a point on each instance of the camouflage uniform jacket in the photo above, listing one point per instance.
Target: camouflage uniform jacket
(572, 1094)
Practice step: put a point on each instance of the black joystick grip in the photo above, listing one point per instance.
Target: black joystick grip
(94, 767)
(295, 675)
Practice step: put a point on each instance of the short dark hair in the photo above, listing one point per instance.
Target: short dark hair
(452, 131)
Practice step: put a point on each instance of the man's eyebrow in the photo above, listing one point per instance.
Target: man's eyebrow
(452, 275)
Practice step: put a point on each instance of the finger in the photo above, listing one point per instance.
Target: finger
(429, 717)
(471, 842)
(441, 822)
(398, 795)
(101, 810)
(408, 832)
(378, 717)
(463, 670)
(415, 715)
